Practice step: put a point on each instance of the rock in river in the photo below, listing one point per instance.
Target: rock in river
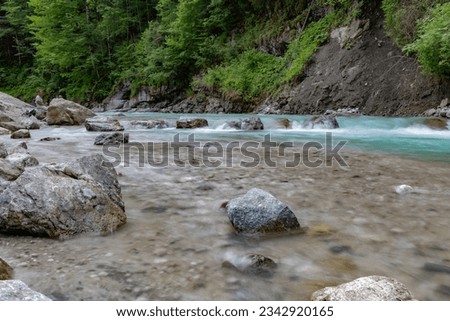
(370, 288)
(21, 134)
(103, 124)
(252, 123)
(15, 290)
(255, 264)
(260, 212)
(66, 112)
(190, 123)
(58, 201)
(322, 121)
(112, 139)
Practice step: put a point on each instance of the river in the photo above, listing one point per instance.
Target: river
(178, 235)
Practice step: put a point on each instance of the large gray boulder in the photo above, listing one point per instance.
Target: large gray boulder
(369, 288)
(15, 290)
(103, 124)
(260, 212)
(6, 271)
(11, 108)
(322, 122)
(58, 201)
(66, 112)
(252, 123)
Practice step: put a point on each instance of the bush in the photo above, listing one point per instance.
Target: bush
(433, 43)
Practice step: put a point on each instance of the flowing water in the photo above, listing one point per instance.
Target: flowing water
(178, 235)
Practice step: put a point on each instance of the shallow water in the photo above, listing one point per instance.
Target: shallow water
(177, 235)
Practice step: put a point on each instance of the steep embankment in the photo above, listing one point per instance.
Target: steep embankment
(360, 66)
(372, 74)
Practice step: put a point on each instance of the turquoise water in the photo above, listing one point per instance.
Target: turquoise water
(397, 136)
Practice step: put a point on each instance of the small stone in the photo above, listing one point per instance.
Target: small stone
(256, 264)
(191, 123)
(403, 189)
(338, 249)
(49, 139)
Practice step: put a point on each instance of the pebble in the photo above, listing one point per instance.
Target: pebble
(403, 189)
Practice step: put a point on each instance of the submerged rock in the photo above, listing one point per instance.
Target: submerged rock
(433, 267)
(57, 201)
(66, 112)
(112, 139)
(370, 288)
(191, 123)
(260, 212)
(252, 123)
(6, 271)
(436, 123)
(255, 264)
(103, 124)
(15, 290)
(322, 121)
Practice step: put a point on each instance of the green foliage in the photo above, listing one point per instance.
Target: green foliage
(251, 75)
(301, 49)
(433, 43)
(401, 17)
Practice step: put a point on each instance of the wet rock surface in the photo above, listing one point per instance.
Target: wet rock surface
(150, 124)
(370, 288)
(322, 121)
(21, 134)
(255, 264)
(260, 212)
(189, 123)
(112, 139)
(103, 124)
(252, 123)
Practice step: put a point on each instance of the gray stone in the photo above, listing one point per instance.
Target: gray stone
(6, 271)
(3, 151)
(191, 123)
(4, 131)
(66, 112)
(150, 124)
(21, 134)
(22, 160)
(15, 290)
(348, 35)
(30, 123)
(49, 139)
(58, 201)
(11, 126)
(436, 123)
(260, 212)
(252, 123)
(322, 121)
(370, 288)
(103, 124)
(112, 139)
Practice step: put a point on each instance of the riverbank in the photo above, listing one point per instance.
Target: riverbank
(178, 236)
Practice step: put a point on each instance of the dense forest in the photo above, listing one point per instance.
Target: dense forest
(246, 49)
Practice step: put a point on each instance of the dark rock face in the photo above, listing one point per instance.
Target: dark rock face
(150, 124)
(260, 212)
(370, 288)
(112, 139)
(66, 112)
(252, 123)
(15, 290)
(59, 201)
(103, 124)
(21, 134)
(322, 121)
(6, 271)
(191, 123)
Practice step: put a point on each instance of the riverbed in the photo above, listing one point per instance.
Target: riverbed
(178, 234)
